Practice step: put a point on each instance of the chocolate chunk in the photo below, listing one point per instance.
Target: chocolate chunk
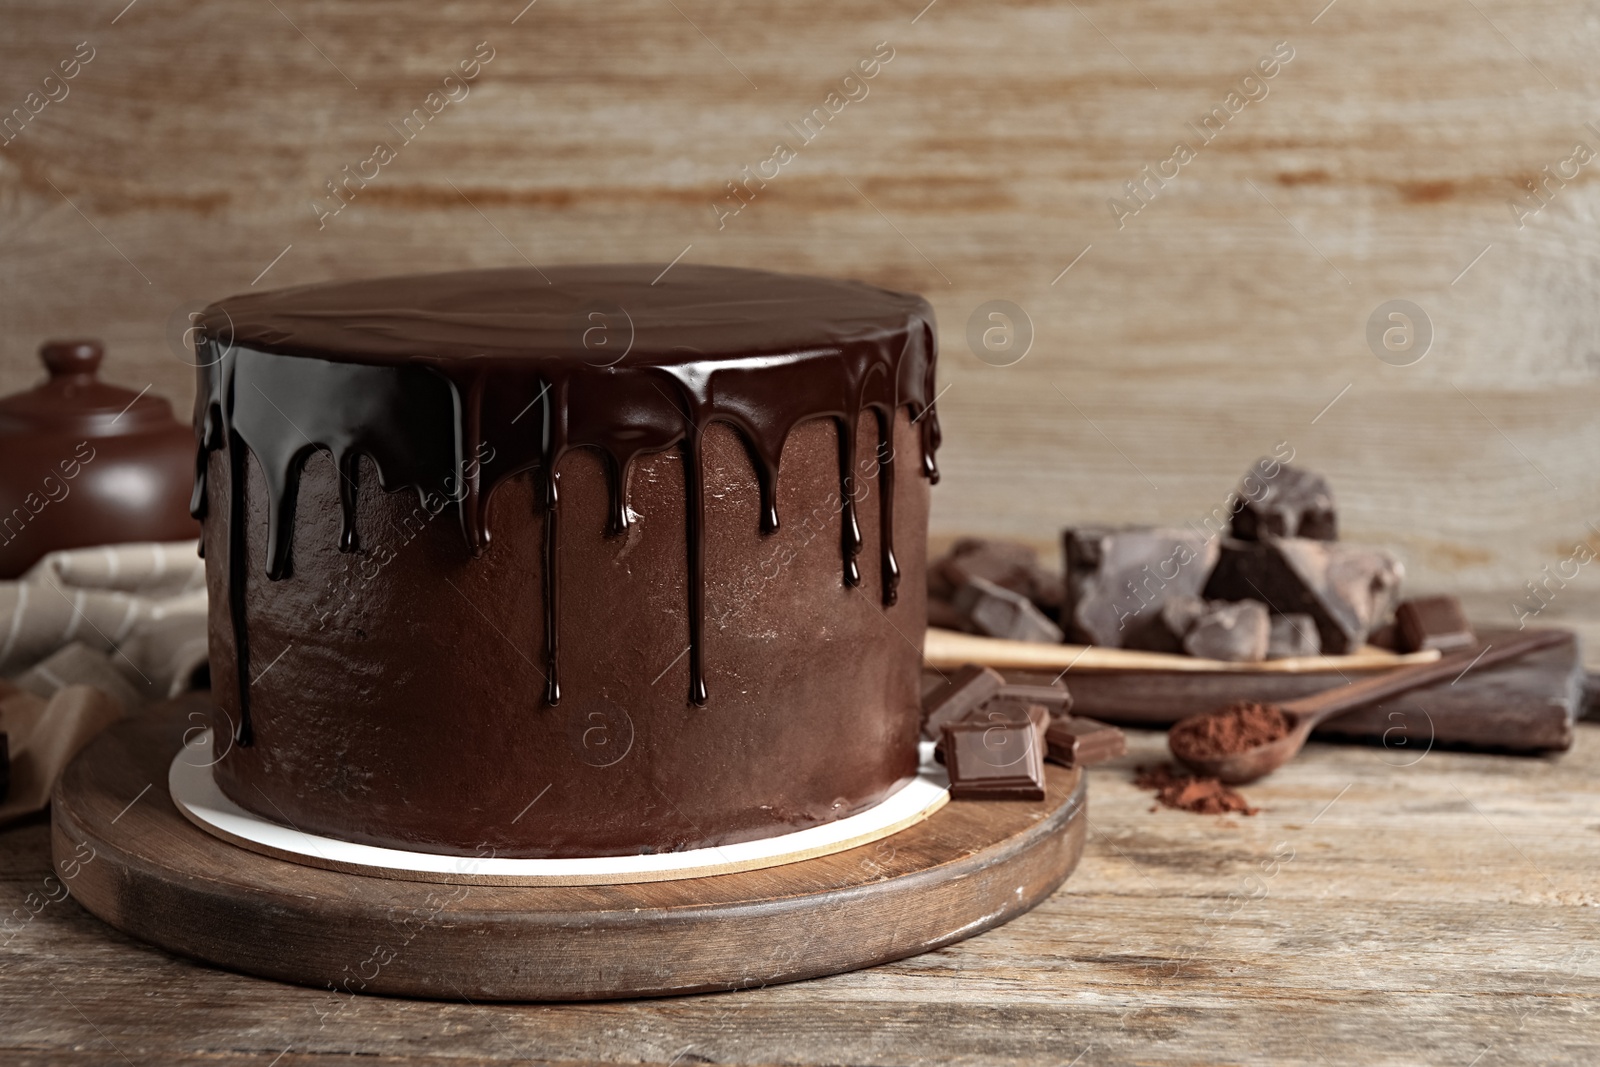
(1047, 591)
(1165, 632)
(1291, 502)
(943, 614)
(1005, 563)
(1432, 622)
(1074, 741)
(958, 696)
(5, 766)
(1384, 637)
(999, 612)
(1234, 631)
(1293, 635)
(1054, 696)
(1009, 564)
(1117, 580)
(1347, 589)
(994, 760)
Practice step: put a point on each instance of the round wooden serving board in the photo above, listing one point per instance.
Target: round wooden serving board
(969, 867)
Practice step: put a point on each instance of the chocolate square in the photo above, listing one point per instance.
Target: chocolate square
(1001, 760)
(996, 611)
(958, 696)
(1432, 622)
(1075, 741)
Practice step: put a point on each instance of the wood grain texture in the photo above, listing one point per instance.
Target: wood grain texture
(1430, 913)
(1221, 319)
(946, 649)
(149, 872)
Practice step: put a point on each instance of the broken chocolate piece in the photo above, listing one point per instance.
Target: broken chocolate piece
(943, 614)
(994, 760)
(1074, 741)
(1384, 637)
(1118, 580)
(1234, 631)
(960, 695)
(1293, 502)
(1347, 589)
(1165, 632)
(998, 612)
(1054, 696)
(1047, 592)
(1432, 622)
(1005, 563)
(1293, 635)
(1009, 564)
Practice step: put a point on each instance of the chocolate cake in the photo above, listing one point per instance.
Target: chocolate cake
(565, 562)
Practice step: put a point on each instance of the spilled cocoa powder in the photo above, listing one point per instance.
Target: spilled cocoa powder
(1203, 796)
(1234, 729)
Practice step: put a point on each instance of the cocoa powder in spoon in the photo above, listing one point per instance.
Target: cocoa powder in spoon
(1236, 728)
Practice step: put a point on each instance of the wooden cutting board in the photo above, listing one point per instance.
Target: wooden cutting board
(1528, 705)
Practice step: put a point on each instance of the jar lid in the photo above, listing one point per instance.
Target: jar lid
(75, 400)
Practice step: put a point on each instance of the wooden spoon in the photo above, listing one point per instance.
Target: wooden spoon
(1306, 713)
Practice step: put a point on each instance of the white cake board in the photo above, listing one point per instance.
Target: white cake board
(196, 794)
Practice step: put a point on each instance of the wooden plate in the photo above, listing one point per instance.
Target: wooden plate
(132, 859)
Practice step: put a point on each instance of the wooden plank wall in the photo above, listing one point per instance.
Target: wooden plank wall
(1380, 162)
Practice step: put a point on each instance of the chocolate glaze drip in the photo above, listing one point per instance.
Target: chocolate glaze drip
(236, 585)
(453, 383)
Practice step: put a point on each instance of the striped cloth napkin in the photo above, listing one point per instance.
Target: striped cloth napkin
(87, 636)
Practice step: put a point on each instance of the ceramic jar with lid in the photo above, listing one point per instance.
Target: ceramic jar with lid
(83, 463)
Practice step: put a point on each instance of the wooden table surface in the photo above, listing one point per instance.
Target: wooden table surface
(1382, 909)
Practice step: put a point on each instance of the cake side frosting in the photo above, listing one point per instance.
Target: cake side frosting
(451, 384)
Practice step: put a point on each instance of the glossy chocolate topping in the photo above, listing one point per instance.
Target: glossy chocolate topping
(452, 383)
